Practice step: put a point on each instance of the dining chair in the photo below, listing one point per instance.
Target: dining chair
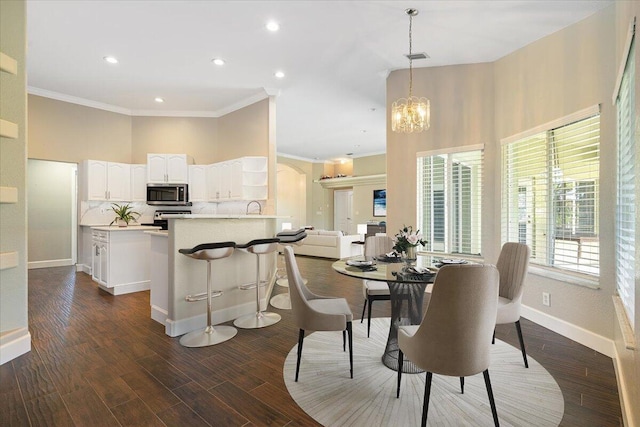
(374, 290)
(512, 264)
(313, 312)
(454, 337)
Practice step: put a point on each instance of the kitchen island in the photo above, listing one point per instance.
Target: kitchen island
(189, 276)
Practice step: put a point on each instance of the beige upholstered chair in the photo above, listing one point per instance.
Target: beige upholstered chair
(374, 290)
(512, 265)
(454, 337)
(316, 313)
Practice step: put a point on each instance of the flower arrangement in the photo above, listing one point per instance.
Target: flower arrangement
(407, 238)
(124, 213)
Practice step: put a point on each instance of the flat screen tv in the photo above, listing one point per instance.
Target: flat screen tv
(380, 202)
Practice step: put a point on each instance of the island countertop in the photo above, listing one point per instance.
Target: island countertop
(221, 216)
(128, 228)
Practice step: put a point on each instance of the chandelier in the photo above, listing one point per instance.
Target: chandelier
(412, 114)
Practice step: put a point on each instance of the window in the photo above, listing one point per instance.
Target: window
(550, 193)
(626, 177)
(450, 199)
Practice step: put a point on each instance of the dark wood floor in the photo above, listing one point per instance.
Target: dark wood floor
(100, 360)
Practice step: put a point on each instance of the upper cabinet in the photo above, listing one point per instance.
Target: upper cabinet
(138, 183)
(198, 183)
(167, 168)
(245, 178)
(107, 181)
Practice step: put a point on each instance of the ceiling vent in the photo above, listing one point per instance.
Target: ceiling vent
(420, 55)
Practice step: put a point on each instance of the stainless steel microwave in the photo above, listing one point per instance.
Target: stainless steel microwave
(168, 194)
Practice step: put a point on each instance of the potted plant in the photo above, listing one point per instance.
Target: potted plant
(124, 214)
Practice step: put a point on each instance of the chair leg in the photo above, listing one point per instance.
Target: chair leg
(427, 393)
(350, 332)
(400, 363)
(344, 340)
(461, 385)
(364, 307)
(524, 352)
(300, 340)
(493, 339)
(487, 383)
(369, 317)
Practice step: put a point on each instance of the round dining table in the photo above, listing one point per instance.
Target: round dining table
(406, 289)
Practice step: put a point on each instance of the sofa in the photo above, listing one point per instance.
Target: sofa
(328, 244)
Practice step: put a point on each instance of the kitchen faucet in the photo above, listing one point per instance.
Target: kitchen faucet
(259, 207)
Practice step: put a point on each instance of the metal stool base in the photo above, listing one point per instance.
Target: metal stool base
(208, 336)
(281, 301)
(257, 320)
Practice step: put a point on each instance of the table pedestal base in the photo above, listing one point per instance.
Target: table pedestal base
(406, 309)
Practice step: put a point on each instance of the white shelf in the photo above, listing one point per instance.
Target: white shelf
(8, 64)
(8, 260)
(8, 195)
(8, 129)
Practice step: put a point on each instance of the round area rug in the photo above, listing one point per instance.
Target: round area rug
(524, 397)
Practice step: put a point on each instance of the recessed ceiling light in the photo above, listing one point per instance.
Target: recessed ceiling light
(111, 59)
(159, 100)
(218, 61)
(273, 26)
(279, 74)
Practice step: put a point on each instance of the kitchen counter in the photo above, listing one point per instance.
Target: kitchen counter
(158, 233)
(222, 216)
(128, 228)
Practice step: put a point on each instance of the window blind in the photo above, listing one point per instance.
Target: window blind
(626, 206)
(450, 201)
(550, 193)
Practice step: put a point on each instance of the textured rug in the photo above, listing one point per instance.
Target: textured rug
(524, 397)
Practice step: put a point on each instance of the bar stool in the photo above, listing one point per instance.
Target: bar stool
(209, 335)
(287, 238)
(260, 318)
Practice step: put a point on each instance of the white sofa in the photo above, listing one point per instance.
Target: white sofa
(328, 244)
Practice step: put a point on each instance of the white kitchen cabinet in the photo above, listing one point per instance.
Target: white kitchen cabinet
(245, 178)
(198, 183)
(168, 168)
(138, 183)
(107, 181)
(120, 259)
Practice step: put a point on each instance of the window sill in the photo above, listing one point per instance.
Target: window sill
(566, 276)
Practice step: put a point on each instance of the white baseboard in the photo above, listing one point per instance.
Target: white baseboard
(128, 288)
(173, 328)
(84, 268)
(587, 338)
(14, 343)
(159, 314)
(49, 263)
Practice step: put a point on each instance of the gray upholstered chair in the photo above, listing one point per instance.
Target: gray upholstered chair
(512, 265)
(374, 290)
(454, 337)
(316, 313)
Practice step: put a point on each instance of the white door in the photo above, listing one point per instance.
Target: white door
(177, 170)
(343, 211)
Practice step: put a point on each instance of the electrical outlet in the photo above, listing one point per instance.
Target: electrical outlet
(546, 299)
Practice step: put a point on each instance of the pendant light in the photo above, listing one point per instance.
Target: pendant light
(412, 114)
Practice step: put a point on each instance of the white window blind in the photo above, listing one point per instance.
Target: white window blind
(626, 206)
(550, 193)
(450, 201)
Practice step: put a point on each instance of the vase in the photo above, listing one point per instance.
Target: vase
(410, 255)
(121, 223)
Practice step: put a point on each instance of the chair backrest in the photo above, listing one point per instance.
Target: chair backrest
(512, 264)
(455, 333)
(377, 245)
(305, 317)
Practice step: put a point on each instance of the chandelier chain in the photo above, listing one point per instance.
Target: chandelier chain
(410, 56)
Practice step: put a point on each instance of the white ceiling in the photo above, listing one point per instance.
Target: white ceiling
(336, 56)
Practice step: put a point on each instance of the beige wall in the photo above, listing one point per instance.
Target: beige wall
(13, 158)
(244, 131)
(71, 133)
(195, 136)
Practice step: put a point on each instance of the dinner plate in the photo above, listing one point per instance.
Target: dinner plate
(453, 261)
(359, 263)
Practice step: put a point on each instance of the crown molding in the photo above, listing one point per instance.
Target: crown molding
(75, 100)
(353, 181)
